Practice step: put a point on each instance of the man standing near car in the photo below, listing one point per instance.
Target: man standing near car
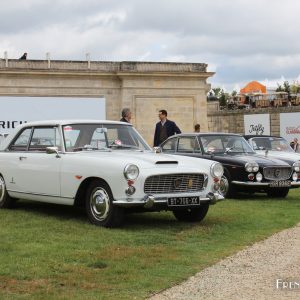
(126, 115)
(164, 128)
(197, 128)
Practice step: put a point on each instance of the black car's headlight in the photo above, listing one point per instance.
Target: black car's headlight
(131, 172)
(296, 166)
(216, 170)
(251, 167)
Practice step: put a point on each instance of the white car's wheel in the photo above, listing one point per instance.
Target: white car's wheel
(5, 200)
(99, 206)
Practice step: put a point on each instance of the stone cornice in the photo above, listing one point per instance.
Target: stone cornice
(271, 110)
(125, 67)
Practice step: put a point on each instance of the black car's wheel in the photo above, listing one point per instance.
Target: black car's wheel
(278, 192)
(192, 214)
(226, 189)
(99, 206)
(5, 200)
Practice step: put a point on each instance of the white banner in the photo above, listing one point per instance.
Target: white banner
(18, 110)
(258, 124)
(290, 126)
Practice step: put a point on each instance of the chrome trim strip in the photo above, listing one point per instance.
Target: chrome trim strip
(250, 183)
(242, 183)
(37, 194)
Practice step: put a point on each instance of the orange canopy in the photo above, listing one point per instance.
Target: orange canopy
(254, 87)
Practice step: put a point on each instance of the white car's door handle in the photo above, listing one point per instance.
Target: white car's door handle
(22, 157)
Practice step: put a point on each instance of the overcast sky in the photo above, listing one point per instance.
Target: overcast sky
(240, 40)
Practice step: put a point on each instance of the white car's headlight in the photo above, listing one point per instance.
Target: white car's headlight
(216, 170)
(251, 167)
(296, 166)
(131, 172)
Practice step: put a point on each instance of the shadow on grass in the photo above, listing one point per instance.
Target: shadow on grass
(166, 220)
(65, 212)
(256, 197)
(149, 219)
(134, 221)
(163, 220)
(62, 212)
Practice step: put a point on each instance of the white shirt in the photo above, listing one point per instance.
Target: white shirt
(163, 122)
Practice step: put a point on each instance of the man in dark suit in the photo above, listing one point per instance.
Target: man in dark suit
(164, 128)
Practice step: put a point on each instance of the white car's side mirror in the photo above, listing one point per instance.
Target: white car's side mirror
(52, 150)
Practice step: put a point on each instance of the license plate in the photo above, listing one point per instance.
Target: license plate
(183, 201)
(280, 183)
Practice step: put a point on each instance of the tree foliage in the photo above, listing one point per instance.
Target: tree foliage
(220, 95)
(295, 88)
(286, 87)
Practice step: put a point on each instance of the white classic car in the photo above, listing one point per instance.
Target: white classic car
(106, 167)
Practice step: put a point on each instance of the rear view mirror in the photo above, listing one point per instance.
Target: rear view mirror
(101, 130)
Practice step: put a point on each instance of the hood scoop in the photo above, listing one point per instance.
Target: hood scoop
(167, 162)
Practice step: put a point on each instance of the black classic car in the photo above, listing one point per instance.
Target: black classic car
(244, 170)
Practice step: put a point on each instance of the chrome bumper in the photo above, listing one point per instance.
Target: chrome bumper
(150, 201)
(258, 184)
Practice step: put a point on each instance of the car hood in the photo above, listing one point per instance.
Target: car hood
(149, 159)
(280, 154)
(244, 158)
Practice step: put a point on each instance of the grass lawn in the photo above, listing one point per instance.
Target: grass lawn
(52, 252)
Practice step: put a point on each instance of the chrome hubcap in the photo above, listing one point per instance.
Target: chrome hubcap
(224, 186)
(99, 203)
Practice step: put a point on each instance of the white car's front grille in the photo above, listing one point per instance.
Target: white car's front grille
(175, 183)
(277, 173)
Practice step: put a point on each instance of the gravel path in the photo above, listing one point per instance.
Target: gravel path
(269, 269)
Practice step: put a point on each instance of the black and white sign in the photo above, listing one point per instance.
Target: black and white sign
(258, 124)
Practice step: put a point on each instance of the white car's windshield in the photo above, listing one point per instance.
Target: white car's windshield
(271, 143)
(78, 137)
(225, 144)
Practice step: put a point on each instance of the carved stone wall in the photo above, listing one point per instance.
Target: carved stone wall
(144, 87)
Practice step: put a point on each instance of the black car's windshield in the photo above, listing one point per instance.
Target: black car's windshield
(270, 143)
(225, 144)
(80, 137)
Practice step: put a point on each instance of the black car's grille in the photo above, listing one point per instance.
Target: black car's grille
(277, 173)
(175, 183)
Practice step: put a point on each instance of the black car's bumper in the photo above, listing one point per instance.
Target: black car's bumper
(261, 184)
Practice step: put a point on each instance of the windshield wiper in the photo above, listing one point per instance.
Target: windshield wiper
(113, 145)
